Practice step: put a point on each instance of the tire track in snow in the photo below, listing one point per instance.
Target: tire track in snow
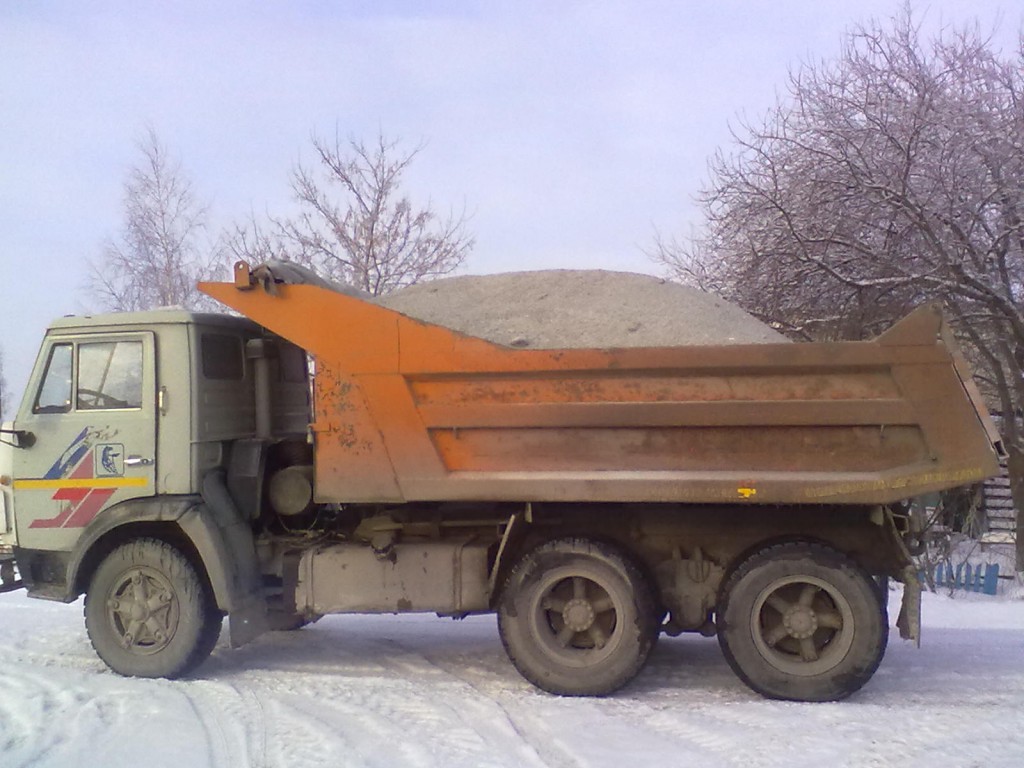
(525, 725)
(347, 731)
(32, 700)
(549, 723)
(382, 706)
(688, 697)
(304, 736)
(527, 741)
(259, 725)
(342, 694)
(352, 712)
(233, 719)
(216, 743)
(368, 719)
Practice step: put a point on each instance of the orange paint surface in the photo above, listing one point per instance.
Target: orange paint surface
(405, 410)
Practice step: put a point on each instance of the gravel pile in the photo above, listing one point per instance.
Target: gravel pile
(554, 309)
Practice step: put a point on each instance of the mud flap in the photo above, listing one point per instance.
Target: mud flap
(909, 621)
(247, 623)
(228, 551)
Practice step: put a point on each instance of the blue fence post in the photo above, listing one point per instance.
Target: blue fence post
(991, 584)
(972, 578)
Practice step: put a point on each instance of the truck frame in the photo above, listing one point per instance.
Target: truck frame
(322, 454)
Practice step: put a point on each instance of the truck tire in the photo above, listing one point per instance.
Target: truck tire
(148, 613)
(802, 622)
(577, 618)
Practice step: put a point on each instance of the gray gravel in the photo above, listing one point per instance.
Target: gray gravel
(564, 308)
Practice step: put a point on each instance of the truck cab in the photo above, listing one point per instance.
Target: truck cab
(123, 417)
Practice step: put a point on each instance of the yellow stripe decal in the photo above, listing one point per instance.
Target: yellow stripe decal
(85, 482)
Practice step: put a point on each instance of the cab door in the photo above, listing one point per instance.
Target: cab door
(91, 408)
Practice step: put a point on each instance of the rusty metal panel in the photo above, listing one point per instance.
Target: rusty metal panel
(344, 427)
(681, 448)
(443, 416)
(608, 385)
(632, 415)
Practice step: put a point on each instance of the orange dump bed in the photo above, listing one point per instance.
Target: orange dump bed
(408, 411)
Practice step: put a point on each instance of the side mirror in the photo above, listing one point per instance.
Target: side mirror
(19, 438)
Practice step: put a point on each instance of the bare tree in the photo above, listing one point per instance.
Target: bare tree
(355, 225)
(888, 177)
(158, 257)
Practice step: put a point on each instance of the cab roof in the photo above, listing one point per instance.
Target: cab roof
(169, 316)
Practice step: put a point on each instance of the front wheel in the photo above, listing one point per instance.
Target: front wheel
(148, 613)
(577, 618)
(802, 622)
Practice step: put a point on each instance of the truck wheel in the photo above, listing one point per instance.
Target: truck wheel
(577, 618)
(148, 613)
(802, 622)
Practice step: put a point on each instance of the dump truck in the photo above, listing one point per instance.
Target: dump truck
(317, 453)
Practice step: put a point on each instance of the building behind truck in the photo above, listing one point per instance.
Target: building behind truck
(178, 467)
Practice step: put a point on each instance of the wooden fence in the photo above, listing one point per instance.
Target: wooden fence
(977, 578)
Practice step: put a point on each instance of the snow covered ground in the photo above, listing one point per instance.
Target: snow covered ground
(423, 691)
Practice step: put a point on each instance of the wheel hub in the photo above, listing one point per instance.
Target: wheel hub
(141, 611)
(578, 614)
(801, 622)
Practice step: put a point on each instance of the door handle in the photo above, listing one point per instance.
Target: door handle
(137, 461)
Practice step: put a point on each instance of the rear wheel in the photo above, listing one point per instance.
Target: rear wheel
(148, 613)
(802, 622)
(577, 618)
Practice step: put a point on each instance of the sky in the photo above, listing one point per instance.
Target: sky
(569, 132)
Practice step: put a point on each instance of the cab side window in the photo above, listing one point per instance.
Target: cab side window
(222, 357)
(109, 375)
(55, 393)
